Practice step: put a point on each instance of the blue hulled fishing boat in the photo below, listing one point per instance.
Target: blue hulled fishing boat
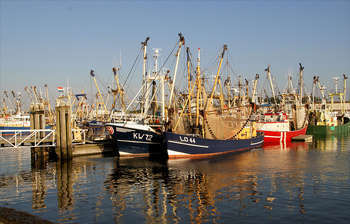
(208, 127)
(133, 139)
(14, 123)
(179, 146)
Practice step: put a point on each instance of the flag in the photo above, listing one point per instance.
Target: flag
(60, 89)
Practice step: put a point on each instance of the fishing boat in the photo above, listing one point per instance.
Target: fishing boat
(340, 126)
(325, 120)
(208, 128)
(133, 139)
(140, 134)
(278, 129)
(182, 146)
(291, 119)
(13, 123)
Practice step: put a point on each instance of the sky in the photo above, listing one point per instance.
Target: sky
(59, 42)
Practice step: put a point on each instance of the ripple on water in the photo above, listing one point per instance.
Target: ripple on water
(292, 184)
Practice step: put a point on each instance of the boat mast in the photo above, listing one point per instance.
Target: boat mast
(51, 118)
(181, 42)
(29, 94)
(119, 90)
(240, 93)
(315, 80)
(155, 77)
(217, 80)
(301, 82)
(35, 94)
(198, 82)
(271, 84)
(322, 89)
(4, 108)
(100, 101)
(189, 83)
(247, 91)
(227, 84)
(254, 88)
(336, 91)
(290, 84)
(344, 96)
(17, 103)
(144, 81)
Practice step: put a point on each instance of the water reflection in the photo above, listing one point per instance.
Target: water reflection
(65, 179)
(141, 181)
(188, 190)
(39, 187)
(331, 143)
(208, 190)
(288, 146)
(296, 180)
(64, 185)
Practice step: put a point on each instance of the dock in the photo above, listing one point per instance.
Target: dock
(92, 149)
(302, 138)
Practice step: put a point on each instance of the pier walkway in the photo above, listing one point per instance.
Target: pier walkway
(34, 138)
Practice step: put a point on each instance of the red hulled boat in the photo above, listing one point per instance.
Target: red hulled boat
(278, 129)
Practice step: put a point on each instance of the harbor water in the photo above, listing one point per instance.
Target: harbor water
(295, 183)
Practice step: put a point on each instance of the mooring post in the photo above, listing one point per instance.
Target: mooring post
(31, 111)
(58, 134)
(36, 116)
(63, 131)
(42, 122)
(69, 131)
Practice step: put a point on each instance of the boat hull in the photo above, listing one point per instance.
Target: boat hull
(10, 130)
(274, 137)
(182, 146)
(325, 130)
(134, 142)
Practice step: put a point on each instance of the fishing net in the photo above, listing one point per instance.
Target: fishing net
(226, 124)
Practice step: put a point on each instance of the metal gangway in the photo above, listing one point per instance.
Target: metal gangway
(37, 137)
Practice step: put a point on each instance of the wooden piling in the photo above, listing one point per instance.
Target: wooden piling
(63, 131)
(31, 111)
(69, 131)
(37, 121)
(42, 123)
(36, 117)
(58, 139)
